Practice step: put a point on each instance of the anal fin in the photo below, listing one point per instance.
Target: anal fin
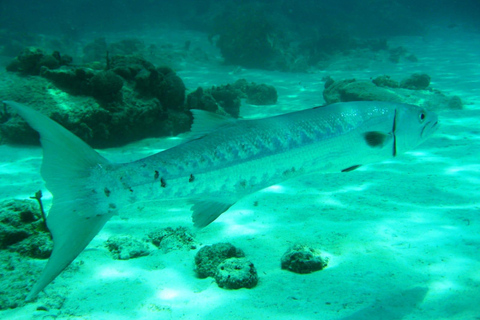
(205, 211)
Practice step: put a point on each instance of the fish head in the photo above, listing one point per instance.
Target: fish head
(412, 126)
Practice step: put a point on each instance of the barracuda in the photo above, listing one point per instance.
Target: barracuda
(225, 161)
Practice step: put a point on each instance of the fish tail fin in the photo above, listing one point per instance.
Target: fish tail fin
(77, 213)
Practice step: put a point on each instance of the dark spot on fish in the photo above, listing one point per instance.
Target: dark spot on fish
(289, 171)
(156, 175)
(94, 191)
(163, 183)
(112, 207)
(130, 189)
(352, 168)
(192, 178)
(243, 183)
(375, 139)
(107, 192)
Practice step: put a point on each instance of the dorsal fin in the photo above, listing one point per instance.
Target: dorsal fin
(205, 122)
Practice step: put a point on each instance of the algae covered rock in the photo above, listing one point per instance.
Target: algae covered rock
(261, 94)
(169, 239)
(383, 88)
(161, 83)
(126, 247)
(236, 273)
(385, 81)
(201, 99)
(303, 259)
(220, 99)
(106, 86)
(353, 90)
(258, 94)
(22, 229)
(227, 98)
(39, 246)
(455, 103)
(417, 81)
(31, 60)
(129, 66)
(76, 81)
(208, 258)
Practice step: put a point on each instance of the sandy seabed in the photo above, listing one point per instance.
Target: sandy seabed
(403, 236)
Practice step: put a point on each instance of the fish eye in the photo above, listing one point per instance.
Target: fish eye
(422, 116)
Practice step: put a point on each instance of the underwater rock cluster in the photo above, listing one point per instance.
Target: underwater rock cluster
(169, 239)
(22, 229)
(128, 101)
(227, 98)
(31, 60)
(126, 247)
(303, 259)
(414, 89)
(227, 264)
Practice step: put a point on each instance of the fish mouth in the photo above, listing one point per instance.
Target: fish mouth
(429, 128)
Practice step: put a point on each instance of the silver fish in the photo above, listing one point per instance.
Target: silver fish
(226, 160)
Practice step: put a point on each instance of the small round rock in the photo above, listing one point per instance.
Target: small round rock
(303, 259)
(236, 273)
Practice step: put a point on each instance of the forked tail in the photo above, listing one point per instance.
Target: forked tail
(75, 216)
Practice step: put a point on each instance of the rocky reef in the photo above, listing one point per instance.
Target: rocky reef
(127, 98)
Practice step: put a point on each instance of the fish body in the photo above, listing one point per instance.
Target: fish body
(224, 162)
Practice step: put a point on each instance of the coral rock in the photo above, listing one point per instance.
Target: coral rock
(236, 273)
(209, 257)
(303, 259)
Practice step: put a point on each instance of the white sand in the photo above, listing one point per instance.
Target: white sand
(403, 236)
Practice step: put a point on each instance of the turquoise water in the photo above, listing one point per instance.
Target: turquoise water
(402, 236)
